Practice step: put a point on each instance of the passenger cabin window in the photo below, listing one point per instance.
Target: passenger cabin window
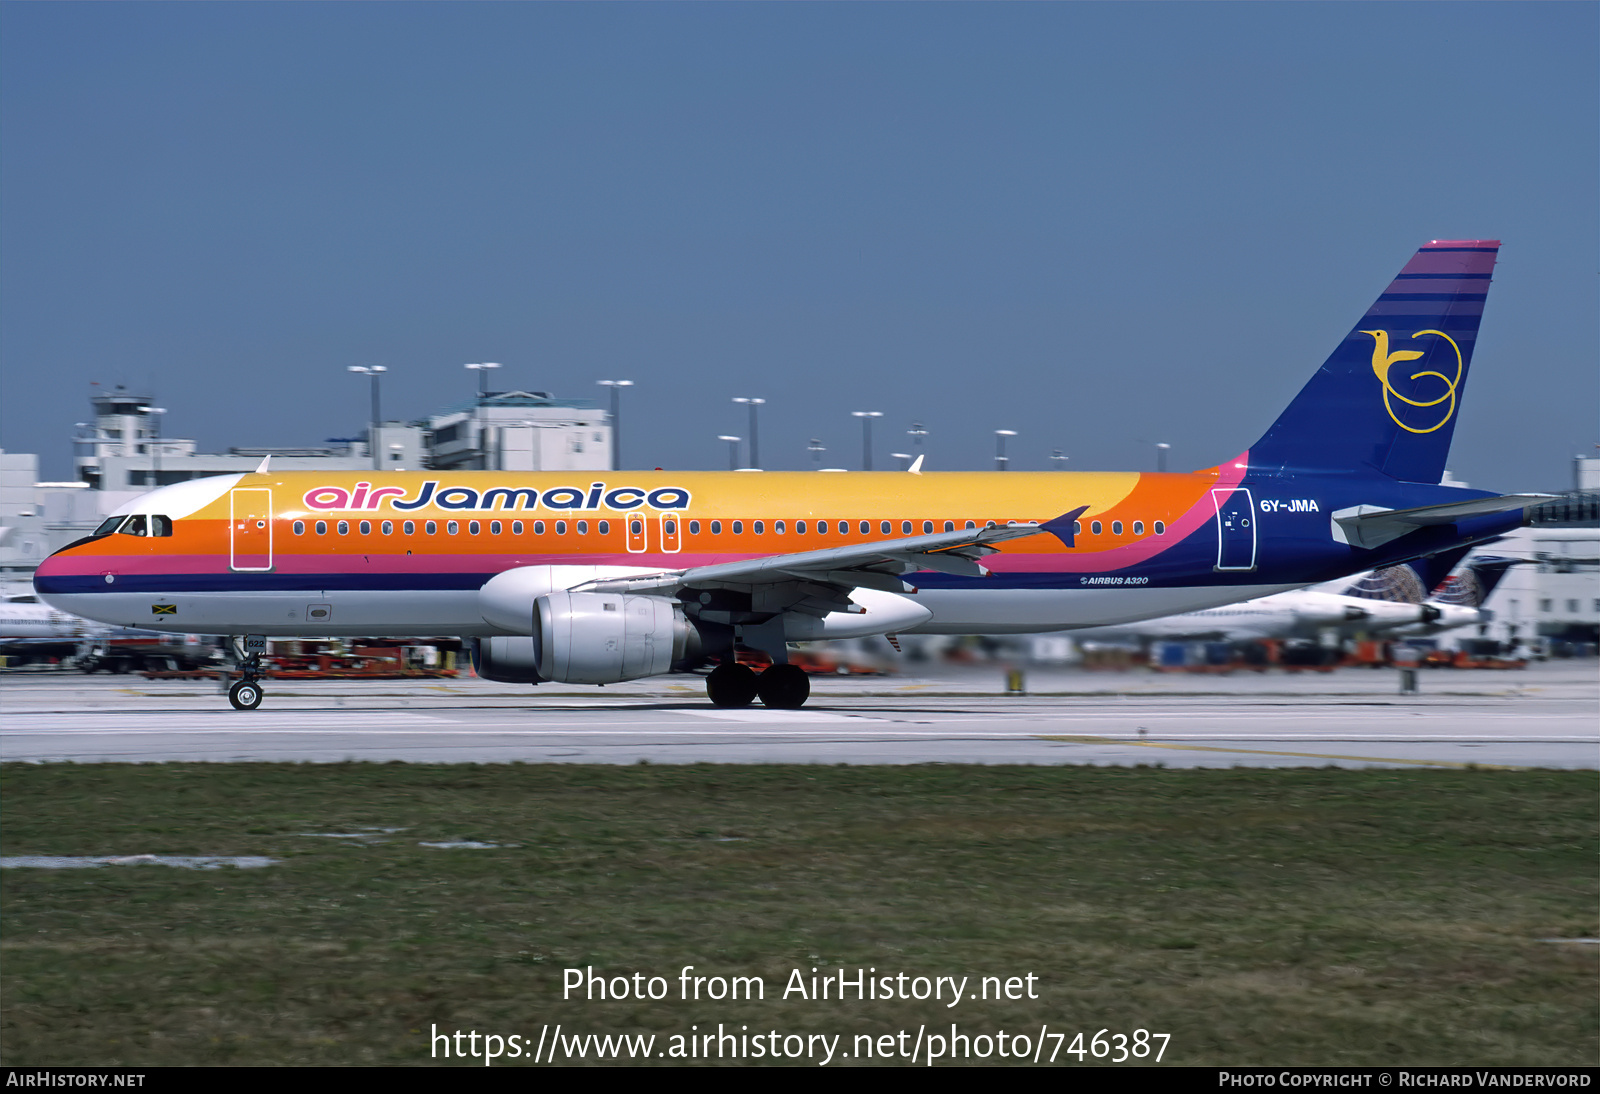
(410, 527)
(949, 526)
(738, 527)
(1077, 527)
(970, 525)
(366, 527)
(884, 527)
(1095, 527)
(538, 527)
(927, 527)
(388, 527)
(605, 528)
(451, 527)
(583, 527)
(777, 526)
(431, 527)
(716, 527)
(1138, 527)
(866, 528)
(670, 527)
(799, 527)
(494, 527)
(1161, 528)
(694, 528)
(516, 527)
(322, 527)
(635, 527)
(299, 527)
(344, 528)
(1116, 527)
(473, 528)
(905, 528)
(822, 527)
(761, 527)
(561, 527)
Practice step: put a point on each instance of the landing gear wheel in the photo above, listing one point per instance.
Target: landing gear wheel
(784, 687)
(731, 685)
(245, 695)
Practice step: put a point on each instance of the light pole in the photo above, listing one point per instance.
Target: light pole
(483, 389)
(755, 444)
(816, 448)
(866, 417)
(616, 387)
(155, 447)
(1162, 448)
(906, 456)
(374, 371)
(1057, 460)
(733, 450)
(1001, 460)
(916, 433)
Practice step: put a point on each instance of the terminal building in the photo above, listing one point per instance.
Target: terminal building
(123, 452)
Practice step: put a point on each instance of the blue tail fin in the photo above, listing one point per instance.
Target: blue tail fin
(1386, 401)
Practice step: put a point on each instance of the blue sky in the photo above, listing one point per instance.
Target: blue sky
(1100, 225)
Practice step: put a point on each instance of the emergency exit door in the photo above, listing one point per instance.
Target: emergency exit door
(1236, 530)
(250, 529)
(637, 533)
(671, 541)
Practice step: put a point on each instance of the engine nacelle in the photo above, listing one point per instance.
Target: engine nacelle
(605, 638)
(506, 660)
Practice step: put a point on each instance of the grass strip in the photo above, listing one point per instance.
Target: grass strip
(1309, 916)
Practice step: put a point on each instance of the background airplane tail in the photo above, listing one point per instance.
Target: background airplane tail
(1408, 582)
(1387, 399)
(1472, 586)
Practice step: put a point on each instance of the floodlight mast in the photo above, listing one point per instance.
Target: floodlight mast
(373, 448)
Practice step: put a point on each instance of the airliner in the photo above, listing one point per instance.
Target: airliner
(623, 575)
(1388, 603)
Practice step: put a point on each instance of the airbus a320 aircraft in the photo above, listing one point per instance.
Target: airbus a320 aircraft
(636, 574)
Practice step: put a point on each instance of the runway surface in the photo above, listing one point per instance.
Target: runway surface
(1543, 716)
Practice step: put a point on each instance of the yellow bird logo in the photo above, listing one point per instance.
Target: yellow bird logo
(1383, 360)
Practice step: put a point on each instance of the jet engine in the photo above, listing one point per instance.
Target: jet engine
(507, 660)
(605, 638)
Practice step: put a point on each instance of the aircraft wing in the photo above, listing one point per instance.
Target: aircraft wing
(875, 565)
(1370, 526)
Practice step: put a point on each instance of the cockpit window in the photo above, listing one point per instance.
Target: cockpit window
(140, 524)
(108, 526)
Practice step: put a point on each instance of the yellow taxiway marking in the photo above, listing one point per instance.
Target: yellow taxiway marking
(1270, 752)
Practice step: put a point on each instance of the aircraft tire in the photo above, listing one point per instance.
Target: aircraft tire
(784, 687)
(731, 685)
(245, 695)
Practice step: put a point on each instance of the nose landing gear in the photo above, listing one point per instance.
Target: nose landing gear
(245, 693)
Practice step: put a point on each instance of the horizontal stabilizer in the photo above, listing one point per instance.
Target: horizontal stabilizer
(1371, 526)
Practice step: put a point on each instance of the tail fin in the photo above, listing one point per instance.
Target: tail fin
(1408, 582)
(1472, 586)
(1386, 399)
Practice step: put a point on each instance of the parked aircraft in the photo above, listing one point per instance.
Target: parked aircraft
(632, 574)
(1387, 603)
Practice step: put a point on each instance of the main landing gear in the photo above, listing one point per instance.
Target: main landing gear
(782, 687)
(245, 693)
